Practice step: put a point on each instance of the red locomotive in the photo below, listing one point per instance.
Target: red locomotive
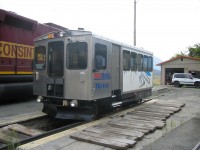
(17, 52)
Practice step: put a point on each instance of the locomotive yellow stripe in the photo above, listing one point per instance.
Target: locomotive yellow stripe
(25, 72)
(12, 72)
(7, 72)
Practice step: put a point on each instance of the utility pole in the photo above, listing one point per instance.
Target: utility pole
(134, 23)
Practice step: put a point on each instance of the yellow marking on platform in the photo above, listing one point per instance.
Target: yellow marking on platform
(79, 128)
(19, 118)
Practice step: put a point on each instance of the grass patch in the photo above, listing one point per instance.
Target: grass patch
(12, 144)
(156, 80)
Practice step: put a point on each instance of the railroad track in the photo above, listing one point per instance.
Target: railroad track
(15, 134)
(121, 130)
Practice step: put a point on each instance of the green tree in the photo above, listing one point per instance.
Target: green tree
(194, 51)
(179, 54)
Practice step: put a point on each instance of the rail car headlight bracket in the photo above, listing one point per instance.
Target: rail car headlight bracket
(74, 103)
(65, 103)
(69, 39)
(50, 87)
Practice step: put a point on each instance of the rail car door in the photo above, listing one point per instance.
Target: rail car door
(115, 67)
(40, 66)
(102, 69)
(76, 73)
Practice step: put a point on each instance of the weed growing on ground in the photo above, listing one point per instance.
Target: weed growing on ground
(171, 125)
(13, 140)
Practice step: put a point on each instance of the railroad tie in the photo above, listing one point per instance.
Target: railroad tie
(24, 130)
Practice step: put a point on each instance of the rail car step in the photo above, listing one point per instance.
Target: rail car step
(24, 130)
(117, 104)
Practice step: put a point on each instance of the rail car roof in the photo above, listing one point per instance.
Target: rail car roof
(83, 32)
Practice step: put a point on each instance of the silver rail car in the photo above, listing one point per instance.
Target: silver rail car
(79, 75)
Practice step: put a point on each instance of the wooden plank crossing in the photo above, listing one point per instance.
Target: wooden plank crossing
(158, 125)
(9, 133)
(23, 129)
(169, 103)
(100, 141)
(113, 137)
(121, 134)
(151, 113)
(106, 129)
(124, 125)
(144, 118)
(124, 131)
(134, 124)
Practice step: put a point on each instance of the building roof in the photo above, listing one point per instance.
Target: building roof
(170, 60)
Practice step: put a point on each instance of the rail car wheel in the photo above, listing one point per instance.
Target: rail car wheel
(197, 84)
(176, 84)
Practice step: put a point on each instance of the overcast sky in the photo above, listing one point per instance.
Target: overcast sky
(164, 27)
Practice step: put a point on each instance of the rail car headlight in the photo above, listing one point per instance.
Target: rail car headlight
(74, 103)
(39, 99)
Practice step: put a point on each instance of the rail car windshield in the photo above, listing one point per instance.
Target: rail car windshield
(55, 58)
(40, 57)
(77, 55)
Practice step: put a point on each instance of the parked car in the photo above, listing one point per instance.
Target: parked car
(179, 79)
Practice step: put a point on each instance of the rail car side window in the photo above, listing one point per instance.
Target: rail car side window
(100, 56)
(55, 58)
(145, 63)
(126, 60)
(40, 57)
(139, 62)
(150, 63)
(133, 61)
(77, 55)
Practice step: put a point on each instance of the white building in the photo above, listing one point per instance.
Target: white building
(181, 64)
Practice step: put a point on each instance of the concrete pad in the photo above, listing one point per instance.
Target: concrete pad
(22, 117)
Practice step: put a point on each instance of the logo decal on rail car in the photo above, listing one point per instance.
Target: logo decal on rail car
(148, 73)
(102, 76)
(101, 86)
